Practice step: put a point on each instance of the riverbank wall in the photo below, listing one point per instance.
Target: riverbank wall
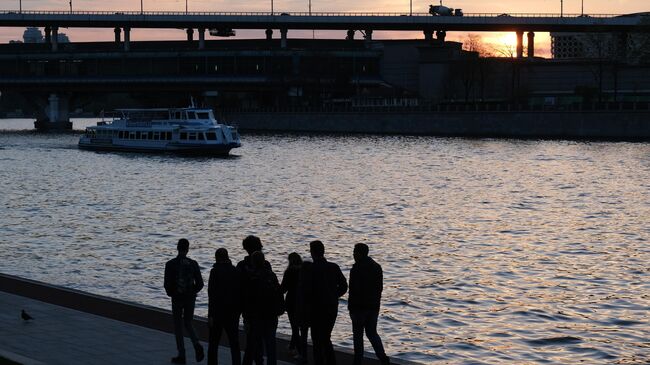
(607, 125)
(142, 315)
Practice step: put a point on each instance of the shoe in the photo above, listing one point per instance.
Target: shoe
(199, 353)
(178, 360)
(384, 360)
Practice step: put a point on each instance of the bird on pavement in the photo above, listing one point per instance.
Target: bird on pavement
(25, 316)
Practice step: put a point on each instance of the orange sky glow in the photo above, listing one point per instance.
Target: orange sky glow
(494, 41)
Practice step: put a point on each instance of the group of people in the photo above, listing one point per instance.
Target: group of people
(309, 293)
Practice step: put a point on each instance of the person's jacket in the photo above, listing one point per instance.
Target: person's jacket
(262, 295)
(186, 266)
(328, 285)
(224, 291)
(366, 284)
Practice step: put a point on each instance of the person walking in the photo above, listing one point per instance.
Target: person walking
(289, 287)
(327, 285)
(250, 244)
(224, 306)
(263, 303)
(183, 281)
(366, 285)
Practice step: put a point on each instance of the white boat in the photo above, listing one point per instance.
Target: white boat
(181, 130)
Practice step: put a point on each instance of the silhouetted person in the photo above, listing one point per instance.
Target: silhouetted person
(366, 285)
(182, 282)
(290, 287)
(327, 284)
(263, 303)
(224, 306)
(251, 244)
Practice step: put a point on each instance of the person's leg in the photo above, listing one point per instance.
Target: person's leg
(213, 345)
(270, 326)
(188, 318)
(295, 330)
(370, 325)
(177, 314)
(302, 346)
(357, 336)
(328, 348)
(232, 331)
(317, 341)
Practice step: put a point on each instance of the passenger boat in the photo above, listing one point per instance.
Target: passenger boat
(180, 130)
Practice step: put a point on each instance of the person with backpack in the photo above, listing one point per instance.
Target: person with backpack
(250, 244)
(183, 281)
(263, 303)
(224, 306)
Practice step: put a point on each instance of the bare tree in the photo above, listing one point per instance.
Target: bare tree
(474, 43)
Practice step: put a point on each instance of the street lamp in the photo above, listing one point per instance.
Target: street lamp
(185, 6)
(582, 8)
(20, 6)
(271, 7)
(70, 6)
(141, 7)
(411, 8)
(561, 8)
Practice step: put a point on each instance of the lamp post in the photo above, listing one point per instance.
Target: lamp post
(561, 8)
(70, 6)
(185, 6)
(141, 7)
(20, 6)
(582, 8)
(411, 8)
(271, 7)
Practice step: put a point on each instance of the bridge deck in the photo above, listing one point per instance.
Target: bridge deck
(342, 21)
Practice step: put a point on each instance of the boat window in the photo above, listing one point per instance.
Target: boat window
(145, 135)
(168, 136)
(212, 136)
(191, 115)
(132, 135)
(203, 115)
(201, 137)
(183, 135)
(192, 136)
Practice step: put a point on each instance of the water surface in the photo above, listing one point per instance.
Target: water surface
(494, 251)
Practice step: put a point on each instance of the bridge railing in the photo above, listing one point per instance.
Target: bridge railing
(313, 14)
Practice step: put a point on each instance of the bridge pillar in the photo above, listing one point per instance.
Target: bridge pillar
(283, 38)
(520, 44)
(368, 35)
(127, 39)
(190, 34)
(441, 35)
(428, 34)
(269, 34)
(57, 116)
(201, 38)
(118, 34)
(55, 39)
(350, 36)
(531, 44)
(48, 35)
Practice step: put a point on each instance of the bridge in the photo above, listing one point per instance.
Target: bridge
(366, 22)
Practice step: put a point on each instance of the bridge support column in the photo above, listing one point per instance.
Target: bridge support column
(201, 38)
(283, 38)
(57, 114)
(350, 36)
(531, 44)
(48, 35)
(441, 35)
(127, 39)
(428, 34)
(520, 44)
(190, 34)
(269, 34)
(55, 39)
(118, 34)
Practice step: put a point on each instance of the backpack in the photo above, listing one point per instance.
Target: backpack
(185, 278)
(269, 292)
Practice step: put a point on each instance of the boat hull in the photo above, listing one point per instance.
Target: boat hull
(193, 150)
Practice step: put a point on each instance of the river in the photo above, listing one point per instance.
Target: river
(494, 251)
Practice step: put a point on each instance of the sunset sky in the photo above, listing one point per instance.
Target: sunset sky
(468, 6)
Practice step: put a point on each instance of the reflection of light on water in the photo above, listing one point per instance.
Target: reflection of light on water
(493, 251)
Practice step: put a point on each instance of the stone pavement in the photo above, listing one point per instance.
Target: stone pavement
(60, 335)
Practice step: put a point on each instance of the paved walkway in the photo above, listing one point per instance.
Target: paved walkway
(60, 335)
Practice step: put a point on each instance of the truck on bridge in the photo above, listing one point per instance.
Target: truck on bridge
(441, 10)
